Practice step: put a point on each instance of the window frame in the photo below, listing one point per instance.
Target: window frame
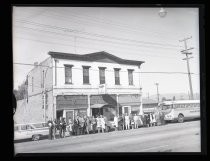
(130, 71)
(68, 66)
(115, 74)
(100, 76)
(88, 69)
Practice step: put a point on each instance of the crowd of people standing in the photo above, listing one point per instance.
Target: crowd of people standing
(82, 125)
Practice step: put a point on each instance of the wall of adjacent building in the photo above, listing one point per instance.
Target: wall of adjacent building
(32, 111)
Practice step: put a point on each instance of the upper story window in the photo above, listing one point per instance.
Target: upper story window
(130, 76)
(68, 74)
(102, 75)
(86, 75)
(117, 76)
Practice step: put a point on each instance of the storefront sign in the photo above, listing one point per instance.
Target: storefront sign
(71, 101)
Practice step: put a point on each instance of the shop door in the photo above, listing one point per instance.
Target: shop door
(69, 114)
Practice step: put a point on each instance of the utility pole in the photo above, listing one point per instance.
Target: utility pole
(185, 51)
(148, 95)
(157, 91)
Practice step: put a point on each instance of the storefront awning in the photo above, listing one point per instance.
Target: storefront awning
(97, 105)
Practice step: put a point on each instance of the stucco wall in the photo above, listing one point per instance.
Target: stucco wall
(93, 88)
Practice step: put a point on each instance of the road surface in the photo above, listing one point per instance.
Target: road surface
(174, 137)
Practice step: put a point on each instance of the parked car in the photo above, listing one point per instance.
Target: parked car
(30, 131)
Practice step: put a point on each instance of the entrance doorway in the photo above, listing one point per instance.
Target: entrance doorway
(97, 111)
(69, 114)
(59, 114)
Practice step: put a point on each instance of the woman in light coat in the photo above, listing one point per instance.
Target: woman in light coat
(116, 122)
(98, 123)
(103, 127)
(127, 122)
(151, 119)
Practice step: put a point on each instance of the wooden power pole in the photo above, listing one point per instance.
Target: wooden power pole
(187, 53)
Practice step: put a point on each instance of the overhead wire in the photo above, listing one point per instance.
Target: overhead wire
(104, 21)
(105, 70)
(97, 35)
(56, 43)
(112, 45)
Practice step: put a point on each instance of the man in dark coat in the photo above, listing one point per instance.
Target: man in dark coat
(76, 125)
(60, 127)
(63, 127)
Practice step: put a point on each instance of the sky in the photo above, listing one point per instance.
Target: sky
(129, 33)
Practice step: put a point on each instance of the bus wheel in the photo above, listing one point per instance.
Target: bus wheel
(180, 118)
(35, 137)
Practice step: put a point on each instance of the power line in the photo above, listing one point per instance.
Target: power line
(112, 44)
(46, 42)
(60, 17)
(106, 69)
(93, 34)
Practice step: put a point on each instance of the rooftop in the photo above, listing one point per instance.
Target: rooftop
(97, 56)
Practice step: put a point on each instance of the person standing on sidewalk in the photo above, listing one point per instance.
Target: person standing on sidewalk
(98, 122)
(135, 121)
(50, 125)
(103, 126)
(54, 128)
(127, 122)
(70, 124)
(60, 127)
(147, 120)
(116, 122)
(63, 127)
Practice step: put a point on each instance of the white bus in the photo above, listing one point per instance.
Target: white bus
(180, 110)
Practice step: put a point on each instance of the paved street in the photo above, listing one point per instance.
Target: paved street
(175, 137)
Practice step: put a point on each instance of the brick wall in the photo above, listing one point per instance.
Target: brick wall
(33, 111)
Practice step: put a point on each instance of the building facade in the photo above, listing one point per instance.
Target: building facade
(66, 85)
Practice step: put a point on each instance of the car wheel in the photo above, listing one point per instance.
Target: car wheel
(35, 137)
(180, 118)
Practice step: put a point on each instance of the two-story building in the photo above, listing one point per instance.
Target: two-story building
(66, 85)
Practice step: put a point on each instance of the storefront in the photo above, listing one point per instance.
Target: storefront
(104, 104)
(129, 103)
(69, 106)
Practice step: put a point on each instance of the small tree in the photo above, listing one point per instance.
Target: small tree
(20, 93)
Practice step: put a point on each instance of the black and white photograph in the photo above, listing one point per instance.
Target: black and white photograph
(106, 79)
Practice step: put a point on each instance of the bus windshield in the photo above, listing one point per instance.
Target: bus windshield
(165, 107)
